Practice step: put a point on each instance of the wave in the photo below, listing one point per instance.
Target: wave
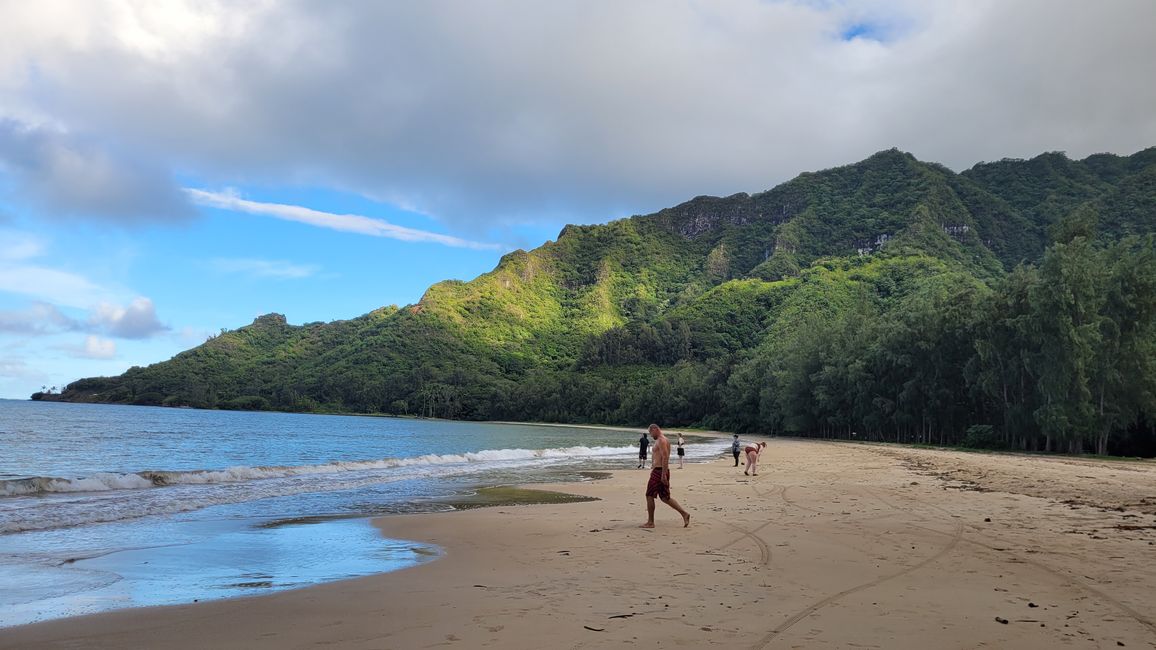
(107, 481)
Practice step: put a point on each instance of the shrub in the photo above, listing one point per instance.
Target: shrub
(982, 436)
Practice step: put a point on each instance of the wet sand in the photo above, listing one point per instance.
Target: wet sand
(832, 546)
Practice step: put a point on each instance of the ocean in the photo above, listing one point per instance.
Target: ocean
(104, 507)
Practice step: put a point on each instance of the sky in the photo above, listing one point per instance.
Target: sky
(171, 168)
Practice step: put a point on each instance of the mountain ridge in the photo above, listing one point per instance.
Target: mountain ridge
(701, 282)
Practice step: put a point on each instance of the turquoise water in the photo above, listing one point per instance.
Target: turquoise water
(104, 507)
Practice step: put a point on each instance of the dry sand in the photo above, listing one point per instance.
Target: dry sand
(833, 546)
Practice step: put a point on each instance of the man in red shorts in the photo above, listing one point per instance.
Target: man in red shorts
(659, 483)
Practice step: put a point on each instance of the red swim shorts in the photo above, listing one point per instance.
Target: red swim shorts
(655, 487)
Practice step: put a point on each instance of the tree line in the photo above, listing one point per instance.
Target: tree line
(1055, 357)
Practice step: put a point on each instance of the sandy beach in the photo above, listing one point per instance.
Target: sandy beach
(832, 546)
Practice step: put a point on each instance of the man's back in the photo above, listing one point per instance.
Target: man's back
(661, 450)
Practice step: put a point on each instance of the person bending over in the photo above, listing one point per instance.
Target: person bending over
(753, 458)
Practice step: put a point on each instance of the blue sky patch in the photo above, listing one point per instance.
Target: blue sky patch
(865, 31)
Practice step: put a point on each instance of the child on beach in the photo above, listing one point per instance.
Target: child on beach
(681, 451)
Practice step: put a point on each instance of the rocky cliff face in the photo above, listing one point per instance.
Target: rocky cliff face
(705, 214)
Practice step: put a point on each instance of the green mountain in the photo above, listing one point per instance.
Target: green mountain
(881, 299)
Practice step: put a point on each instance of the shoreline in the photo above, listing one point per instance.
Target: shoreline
(832, 545)
(709, 433)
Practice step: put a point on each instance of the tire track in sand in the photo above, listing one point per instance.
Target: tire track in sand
(795, 504)
(764, 548)
(765, 554)
(1064, 578)
(819, 604)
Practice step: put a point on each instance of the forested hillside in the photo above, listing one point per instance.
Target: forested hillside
(1012, 305)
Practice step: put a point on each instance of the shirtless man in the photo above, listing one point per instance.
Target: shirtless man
(659, 484)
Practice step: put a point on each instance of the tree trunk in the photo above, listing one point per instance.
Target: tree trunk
(1105, 428)
(1102, 442)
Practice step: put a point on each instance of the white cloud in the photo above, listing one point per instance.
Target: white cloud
(17, 369)
(21, 275)
(68, 175)
(352, 223)
(39, 318)
(54, 286)
(96, 347)
(111, 311)
(480, 113)
(18, 380)
(138, 320)
(279, 269)
(18, 246)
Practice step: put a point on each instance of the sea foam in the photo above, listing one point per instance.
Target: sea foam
(107, 481)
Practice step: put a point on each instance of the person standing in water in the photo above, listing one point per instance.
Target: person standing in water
(681, 451)
(643, 443)
(659, 483)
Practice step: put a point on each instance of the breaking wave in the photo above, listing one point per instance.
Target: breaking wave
(108, 481)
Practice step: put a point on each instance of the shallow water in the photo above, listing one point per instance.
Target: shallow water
(104, 507)
(208, 562)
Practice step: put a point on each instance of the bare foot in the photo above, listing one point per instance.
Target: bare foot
(685, 520)
(647, 526)
(747, 473)
(756, 474)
